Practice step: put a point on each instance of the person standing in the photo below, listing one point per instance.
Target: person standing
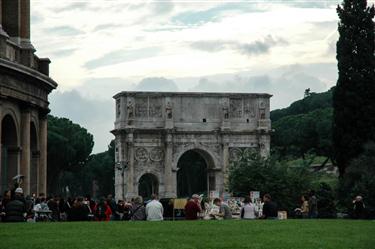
(102, 211)
(359, 208)
(192, 208)
(248, 210)
(154, 209)
(269, 208)
(15, 210)
(313, 205)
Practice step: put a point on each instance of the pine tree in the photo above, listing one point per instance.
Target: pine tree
(354, 95)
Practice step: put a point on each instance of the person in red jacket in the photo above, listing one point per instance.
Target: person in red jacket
(192, 208)
(102, 211)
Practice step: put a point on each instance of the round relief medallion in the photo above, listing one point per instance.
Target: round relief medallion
(141, 154)
(235, 154)
(156, 154)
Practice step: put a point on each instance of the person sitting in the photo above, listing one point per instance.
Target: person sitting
(224, 210)
(41, 210)
(313, 205)
(154, 209)
(102, 211)
(269, 208)
(192, 208)
(303, 211)
(15, 210)
(248, 210)
(138, 210)
(78, 211)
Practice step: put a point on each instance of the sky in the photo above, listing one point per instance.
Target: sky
(101, 47)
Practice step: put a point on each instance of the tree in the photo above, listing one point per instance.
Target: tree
(101, 168)
(354, 111)
(285, 184)
(359, 179)
(301, 134)
(69, 146)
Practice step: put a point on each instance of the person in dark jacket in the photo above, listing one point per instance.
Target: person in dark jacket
(269, 208)
(15, 210)
(79, 211)
(359, 208)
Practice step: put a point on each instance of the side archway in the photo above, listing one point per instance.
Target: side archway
(9, 152)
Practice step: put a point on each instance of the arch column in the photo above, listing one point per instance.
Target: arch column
(2, 32)
(42, 169)
(1, 128)
(27, 52)
(168, 174)
(12, 19)
(25, 155)
(130, 182)
(3, 35)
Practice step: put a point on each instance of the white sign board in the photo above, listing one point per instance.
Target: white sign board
(254, 195)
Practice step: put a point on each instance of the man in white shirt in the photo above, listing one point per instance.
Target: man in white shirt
(154, 209)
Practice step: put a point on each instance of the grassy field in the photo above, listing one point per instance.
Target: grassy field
(290, 234)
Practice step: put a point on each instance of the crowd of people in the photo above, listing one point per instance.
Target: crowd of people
(14, 207)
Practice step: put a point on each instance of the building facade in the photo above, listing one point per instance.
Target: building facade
(24, 89)
(154, 130)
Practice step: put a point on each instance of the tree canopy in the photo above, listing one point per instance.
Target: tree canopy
(353, 97)
(69, 147)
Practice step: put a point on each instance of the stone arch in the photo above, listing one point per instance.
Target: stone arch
(206, 153)
(148, 184)
(9, 151)
(12, 112)
(194, 172)
(34, 157)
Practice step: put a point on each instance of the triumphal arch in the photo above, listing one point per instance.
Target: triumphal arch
(176, 144)
(24, 88)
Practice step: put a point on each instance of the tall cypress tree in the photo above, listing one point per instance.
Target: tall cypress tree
(354, 95)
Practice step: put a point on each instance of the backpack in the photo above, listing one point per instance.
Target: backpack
(100, 212)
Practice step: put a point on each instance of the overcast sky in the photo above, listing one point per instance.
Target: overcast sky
(101, 47)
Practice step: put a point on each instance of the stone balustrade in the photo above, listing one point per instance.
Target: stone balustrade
(15, 53)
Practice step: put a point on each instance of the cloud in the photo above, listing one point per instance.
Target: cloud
(97, 116)
(157, 84)
(119, 56)
(64, 52)
(64, 31)
(215, 13)
(72, 6)
(261, 47)
(286, 84)
(161, 8)
(252, 48)
(36, 17)
(107, 26)
(104, 88)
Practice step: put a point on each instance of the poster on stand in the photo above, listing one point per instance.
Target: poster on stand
(254, 195)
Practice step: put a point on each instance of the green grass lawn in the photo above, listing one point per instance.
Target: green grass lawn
(299, 234)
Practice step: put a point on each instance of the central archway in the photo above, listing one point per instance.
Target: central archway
(193, 175)
(148, 184)
(9, 152)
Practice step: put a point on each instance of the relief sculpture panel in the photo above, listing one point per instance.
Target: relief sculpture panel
(236, 108)
(155, 110)
(141, 107)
